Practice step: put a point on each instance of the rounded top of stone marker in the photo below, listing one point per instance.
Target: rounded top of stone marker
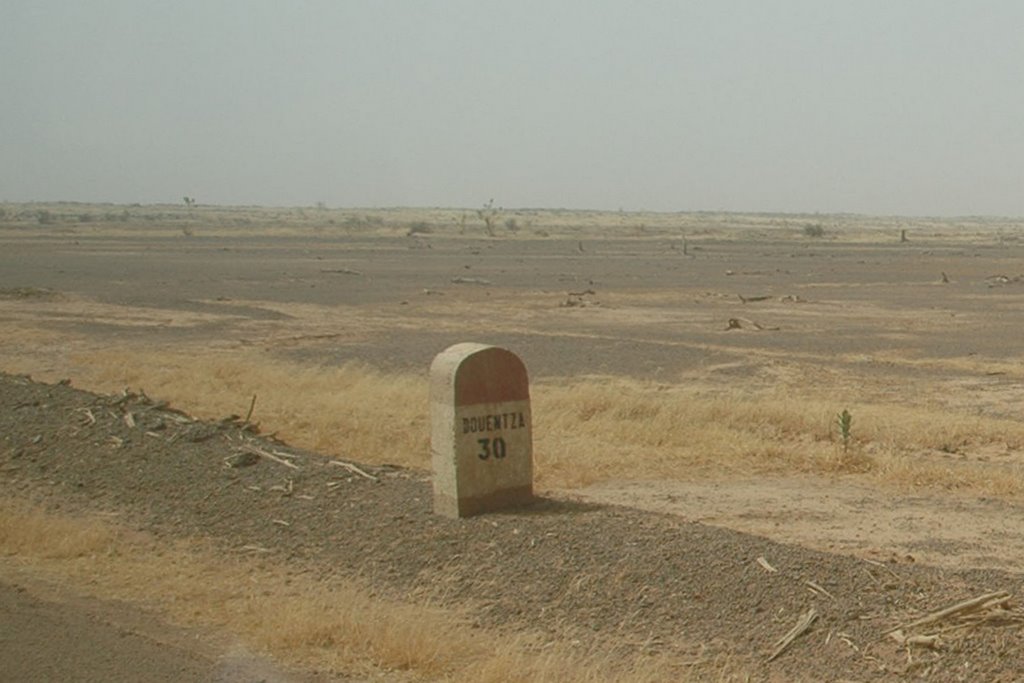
(471, 373)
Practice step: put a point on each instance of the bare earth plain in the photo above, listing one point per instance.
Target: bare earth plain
(707, 560)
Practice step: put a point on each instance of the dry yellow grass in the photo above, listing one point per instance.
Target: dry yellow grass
(587, 430)
(336, 624)
(25, 533)
(353, 410)
(629, 429)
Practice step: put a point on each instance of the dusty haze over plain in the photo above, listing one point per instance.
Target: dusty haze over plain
(908, 107)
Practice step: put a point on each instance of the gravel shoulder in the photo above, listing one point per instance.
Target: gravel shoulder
(608, 576)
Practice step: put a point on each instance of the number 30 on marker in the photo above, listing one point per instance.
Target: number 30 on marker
(491, 447)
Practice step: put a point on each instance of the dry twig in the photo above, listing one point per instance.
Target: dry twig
(252, 406)
(931, 642)
(968, 612)
(804, 623)
(286, 489)
(253, 548)
(249, 448)
(355, 470)
(885, 567)
(743, 323)
(818, 589)
(341, 271)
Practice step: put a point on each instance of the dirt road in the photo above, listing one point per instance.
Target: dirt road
(51, 634)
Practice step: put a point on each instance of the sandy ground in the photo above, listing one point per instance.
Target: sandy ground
(842, 516)
(934, 321)
(876, 314)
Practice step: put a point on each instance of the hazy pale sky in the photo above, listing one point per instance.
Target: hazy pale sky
(911, 107)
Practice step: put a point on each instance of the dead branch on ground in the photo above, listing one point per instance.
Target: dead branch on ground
(802, 625)
(743, 323)
(353, 469)
(249, 448)
(818, 589)
(341, 271)
(989, 609)
(252, 406)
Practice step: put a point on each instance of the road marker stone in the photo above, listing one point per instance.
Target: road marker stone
(481, 436)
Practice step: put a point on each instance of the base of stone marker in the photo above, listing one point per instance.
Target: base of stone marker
(477, 505)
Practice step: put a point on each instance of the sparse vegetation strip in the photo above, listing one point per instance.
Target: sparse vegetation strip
(638, 592)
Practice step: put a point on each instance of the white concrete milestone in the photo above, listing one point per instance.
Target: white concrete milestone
(481, 437)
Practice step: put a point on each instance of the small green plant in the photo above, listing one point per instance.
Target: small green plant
(844, 420)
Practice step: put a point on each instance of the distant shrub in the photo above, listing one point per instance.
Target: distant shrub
(362, 222)
(814, 230)
(45, 217)
(512, 225)
(420, 228)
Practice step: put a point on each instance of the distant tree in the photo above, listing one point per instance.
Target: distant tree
(190, 202)
(489, 215)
